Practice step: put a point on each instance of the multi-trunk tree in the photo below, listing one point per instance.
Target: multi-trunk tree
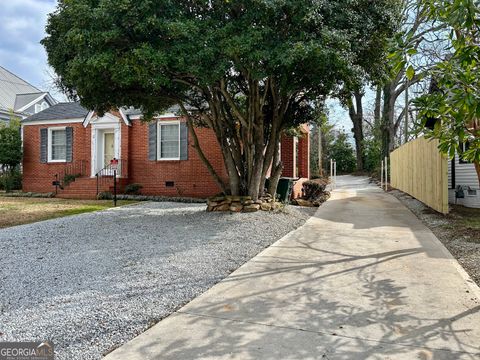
(246, 69)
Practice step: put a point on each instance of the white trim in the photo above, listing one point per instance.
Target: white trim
(109, 116)
(87, 119)
(25, 107)
(97, 129)
(159, 139)
(163, 116)
(52, 122)
(49, 144)
(124, 117)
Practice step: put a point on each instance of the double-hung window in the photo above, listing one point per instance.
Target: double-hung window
(57, 140)
(168, 140)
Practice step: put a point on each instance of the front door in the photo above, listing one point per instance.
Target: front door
(108, 148)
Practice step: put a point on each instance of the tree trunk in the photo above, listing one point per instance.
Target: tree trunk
(356, 115)
(247, 130)
(378, 108)
(477, 168)
(388, 121)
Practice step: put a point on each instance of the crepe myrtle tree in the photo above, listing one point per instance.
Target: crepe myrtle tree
(247, 69)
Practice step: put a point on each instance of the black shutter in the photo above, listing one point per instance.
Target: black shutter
(43, 145)
(183, 141)
(152, 141)
(69, 137)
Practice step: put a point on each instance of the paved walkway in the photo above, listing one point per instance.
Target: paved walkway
(362, 279)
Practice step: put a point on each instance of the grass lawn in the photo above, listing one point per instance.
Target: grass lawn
(17, 211)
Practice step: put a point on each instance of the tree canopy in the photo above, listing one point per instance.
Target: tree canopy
(454, 99)
(250, 68)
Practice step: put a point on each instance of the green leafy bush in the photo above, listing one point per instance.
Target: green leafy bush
(105, 195)
(133, 189)
(313, 189)
(11, 180)
(69, 178)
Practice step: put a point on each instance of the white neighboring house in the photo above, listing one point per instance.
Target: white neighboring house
(20, 98)
(463, 174)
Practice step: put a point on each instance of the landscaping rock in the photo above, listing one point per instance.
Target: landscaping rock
(266, 206)
(302, 202)
(223, 207)
(251, 208)
(236, 207)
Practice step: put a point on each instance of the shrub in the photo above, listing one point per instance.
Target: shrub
(68, 178)
(133, 189)
(11, 180)
(313, 190)
(105, 195)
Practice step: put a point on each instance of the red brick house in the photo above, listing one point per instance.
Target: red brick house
(71, 145)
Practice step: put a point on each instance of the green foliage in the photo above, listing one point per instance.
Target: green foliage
(312, 190)
(10, 145)
(251, 68)
(69, 178)
(133, 189)
(341, 150)
(455, 100)
(134, 52)
(373, 153)
(105, 195)
(11, 180)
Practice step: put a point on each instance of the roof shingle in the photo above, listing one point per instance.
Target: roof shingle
(60, 111)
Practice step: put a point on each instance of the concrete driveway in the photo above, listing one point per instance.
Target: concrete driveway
(362, 279)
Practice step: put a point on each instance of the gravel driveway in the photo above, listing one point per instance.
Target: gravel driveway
(94, 281)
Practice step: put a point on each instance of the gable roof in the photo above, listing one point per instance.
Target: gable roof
(60, 111)
(10, 86)
(23, 100)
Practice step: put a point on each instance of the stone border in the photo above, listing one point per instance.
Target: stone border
(242, 203)
(28, 194)
(160, 198)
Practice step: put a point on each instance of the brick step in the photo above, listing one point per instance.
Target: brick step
(86, 188)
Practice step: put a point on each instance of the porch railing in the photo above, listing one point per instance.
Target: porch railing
(105, 176)
(71, 171)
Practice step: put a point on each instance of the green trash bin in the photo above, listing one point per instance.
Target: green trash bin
(284, 189)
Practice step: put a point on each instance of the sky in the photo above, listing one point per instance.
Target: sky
(22, 26)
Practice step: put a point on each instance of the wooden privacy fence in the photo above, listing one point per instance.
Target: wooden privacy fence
(419, 169)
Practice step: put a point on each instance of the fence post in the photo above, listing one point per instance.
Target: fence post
(335, 173)
(386, 173)
(381, 177)
(114, 187)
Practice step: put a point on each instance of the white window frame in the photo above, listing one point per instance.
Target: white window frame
(44, 106)
(49, 147)
(159, 139)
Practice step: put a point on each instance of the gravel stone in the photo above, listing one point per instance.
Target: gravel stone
(91, 282)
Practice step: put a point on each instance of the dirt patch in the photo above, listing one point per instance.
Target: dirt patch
(459, 231)
(18, 211)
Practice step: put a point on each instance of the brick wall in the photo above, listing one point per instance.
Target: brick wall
(296, 167)
(190, 177)
(38, 177)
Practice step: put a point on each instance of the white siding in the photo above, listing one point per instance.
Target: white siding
(465, 174)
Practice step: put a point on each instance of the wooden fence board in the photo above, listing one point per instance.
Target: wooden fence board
(419, 169)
